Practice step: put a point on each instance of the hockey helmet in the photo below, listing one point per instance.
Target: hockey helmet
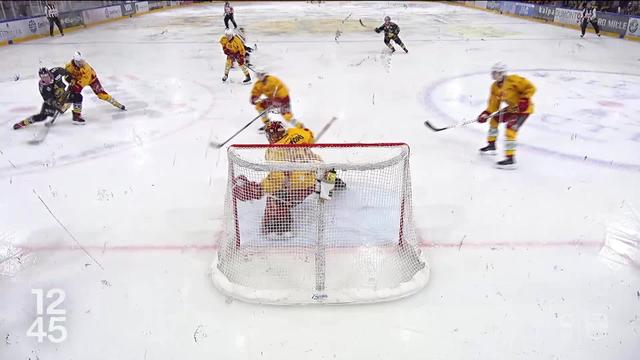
(387, 19)
(46, 77)
(498, 71)
(78, 58)
(260, 74)
(229, 33)
(274, 131)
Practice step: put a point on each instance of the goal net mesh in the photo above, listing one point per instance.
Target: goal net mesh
(322, 223)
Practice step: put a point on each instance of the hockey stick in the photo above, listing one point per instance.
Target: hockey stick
(361, 23)
(42, 134)
(325, 128)
(430, 126)
(216, 145)
(250, 67)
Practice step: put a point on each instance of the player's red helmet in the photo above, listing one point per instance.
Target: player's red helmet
(275, 131)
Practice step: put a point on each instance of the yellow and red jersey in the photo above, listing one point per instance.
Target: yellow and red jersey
(291, 180)
(233, 47)
(82, 75)
(271, 87)
(513, 89)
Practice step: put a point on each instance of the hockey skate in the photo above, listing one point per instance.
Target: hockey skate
(508, 164)
(21, 124)
(225, 77)
(247, 80)
(490, 149)
(77, 119)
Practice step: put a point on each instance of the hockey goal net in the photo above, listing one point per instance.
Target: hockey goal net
(322, 223)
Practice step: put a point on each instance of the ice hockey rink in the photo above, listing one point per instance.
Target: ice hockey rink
(523, 263)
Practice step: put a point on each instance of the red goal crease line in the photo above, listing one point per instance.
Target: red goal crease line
(213, 247)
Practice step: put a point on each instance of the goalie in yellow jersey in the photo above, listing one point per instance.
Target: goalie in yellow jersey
(516, 91)
(284, 189)
(270, 93)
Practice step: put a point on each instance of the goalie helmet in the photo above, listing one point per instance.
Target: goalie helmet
(275, 131)
(498, 71)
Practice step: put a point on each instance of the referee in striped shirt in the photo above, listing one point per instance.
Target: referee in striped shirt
(52, 15)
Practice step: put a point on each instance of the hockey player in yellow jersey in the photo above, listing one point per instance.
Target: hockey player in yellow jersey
(516, 91)
(284, 189)
(81, 74)
(233, 47)
(269, 92)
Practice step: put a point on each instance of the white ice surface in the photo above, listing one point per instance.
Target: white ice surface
(516, 270)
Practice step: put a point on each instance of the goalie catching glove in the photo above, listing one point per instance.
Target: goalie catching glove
(245, 190)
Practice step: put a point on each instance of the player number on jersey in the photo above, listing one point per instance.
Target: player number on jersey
(54, 317)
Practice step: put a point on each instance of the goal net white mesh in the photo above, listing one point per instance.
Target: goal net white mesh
(322, 223)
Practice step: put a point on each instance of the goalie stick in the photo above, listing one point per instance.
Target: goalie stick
(430, 126)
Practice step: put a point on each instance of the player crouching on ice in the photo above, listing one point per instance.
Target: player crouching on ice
(270, 93)
(233, 47)
(284, 189)
(56, 99)
(81, 74)
(516, 91)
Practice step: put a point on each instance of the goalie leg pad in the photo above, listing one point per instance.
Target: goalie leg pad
(245, 190)
(277, 217)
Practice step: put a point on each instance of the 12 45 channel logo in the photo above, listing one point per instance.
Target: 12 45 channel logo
(49, 321)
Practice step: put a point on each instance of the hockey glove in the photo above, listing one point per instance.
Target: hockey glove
(523, 105)
(265, 103)
(482, 118)
(378, 30)
(245, 190)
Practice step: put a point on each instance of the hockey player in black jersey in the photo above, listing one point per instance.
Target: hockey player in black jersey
(56, 98)
(391, 31)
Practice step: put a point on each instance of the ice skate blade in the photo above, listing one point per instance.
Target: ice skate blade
(506, 167)
(488, 153)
